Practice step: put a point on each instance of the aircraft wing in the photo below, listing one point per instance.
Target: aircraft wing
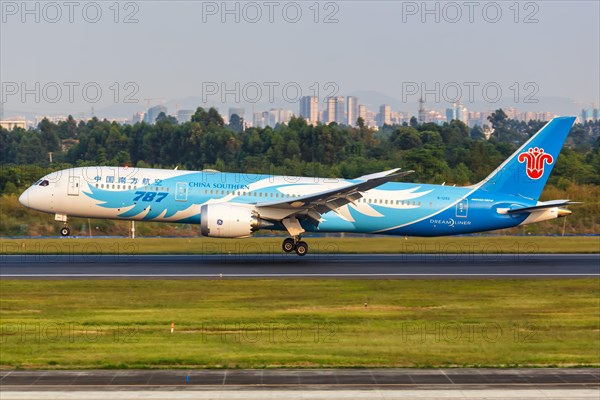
(315, 204)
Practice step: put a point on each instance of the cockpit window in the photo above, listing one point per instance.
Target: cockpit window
(37, 182)
(44, 183)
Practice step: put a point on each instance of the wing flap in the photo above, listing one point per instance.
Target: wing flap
(337, 197)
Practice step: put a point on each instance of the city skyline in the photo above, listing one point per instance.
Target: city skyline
(341, 107)
(127, 60)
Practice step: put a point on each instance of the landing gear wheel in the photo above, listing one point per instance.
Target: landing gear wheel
(65, 231)
(288, 245)
(301, 248)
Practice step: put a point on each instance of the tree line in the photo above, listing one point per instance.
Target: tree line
(451, 153)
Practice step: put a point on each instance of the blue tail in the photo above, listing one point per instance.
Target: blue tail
(526, 171)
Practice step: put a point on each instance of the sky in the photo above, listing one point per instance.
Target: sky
(535, 55)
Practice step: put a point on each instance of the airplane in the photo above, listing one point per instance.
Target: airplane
(236, 205)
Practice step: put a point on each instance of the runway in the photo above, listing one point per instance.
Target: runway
(342, 266)
(307, 379)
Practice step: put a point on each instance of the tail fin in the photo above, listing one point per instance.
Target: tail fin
(526, 171)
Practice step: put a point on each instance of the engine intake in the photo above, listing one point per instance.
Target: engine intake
(226, 220)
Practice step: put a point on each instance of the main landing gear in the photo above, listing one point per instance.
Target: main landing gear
(291, 244)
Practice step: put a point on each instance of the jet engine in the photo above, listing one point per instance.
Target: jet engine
(226, 220)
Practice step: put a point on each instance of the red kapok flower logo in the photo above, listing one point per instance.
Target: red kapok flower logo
(535, 158)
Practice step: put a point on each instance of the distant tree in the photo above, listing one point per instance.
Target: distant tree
(406, 138)
(360, 122)
(414, 122)
(49, 135)
(454, 132)
(477, 133)
(236, 123)
(504, 128)
(164, 118)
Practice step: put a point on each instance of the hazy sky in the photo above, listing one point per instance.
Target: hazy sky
(178, 49)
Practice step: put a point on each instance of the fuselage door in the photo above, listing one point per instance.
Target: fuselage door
(462, 208)
(73, 187)
(181, 191)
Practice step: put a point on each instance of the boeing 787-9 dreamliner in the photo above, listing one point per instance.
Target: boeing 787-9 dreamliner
(235, 205)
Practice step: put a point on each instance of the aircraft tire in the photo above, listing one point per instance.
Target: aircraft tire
(301, 248)
(288, 245)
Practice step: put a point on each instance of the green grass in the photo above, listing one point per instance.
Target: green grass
(270, 245)
(299, 323)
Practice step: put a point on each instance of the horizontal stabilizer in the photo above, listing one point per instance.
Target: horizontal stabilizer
(542, 206)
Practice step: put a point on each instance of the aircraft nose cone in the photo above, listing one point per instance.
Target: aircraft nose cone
(24, 198)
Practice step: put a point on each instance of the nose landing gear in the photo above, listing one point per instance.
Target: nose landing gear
(291, 244)
(65, 231)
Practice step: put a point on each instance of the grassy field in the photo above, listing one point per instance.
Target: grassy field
(271, 245)
(299, 323)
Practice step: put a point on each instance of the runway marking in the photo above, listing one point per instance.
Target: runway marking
(450, 383)
(271, 275)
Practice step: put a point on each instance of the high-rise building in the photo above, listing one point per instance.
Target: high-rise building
(137, 117)
(1, 110)
(451, 112)
(153, 113)
(279, 116)
(462, 114)
(261, 119)
(351, 110)
(362, 112)
(385, 115)
(340, 110)
(329, 116)
(336, 110)
(586, 115)
(309, 109)
(185, 116)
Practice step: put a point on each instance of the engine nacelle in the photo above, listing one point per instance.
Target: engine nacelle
(226, 220)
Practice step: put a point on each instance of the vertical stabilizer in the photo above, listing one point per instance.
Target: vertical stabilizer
(526, 171)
